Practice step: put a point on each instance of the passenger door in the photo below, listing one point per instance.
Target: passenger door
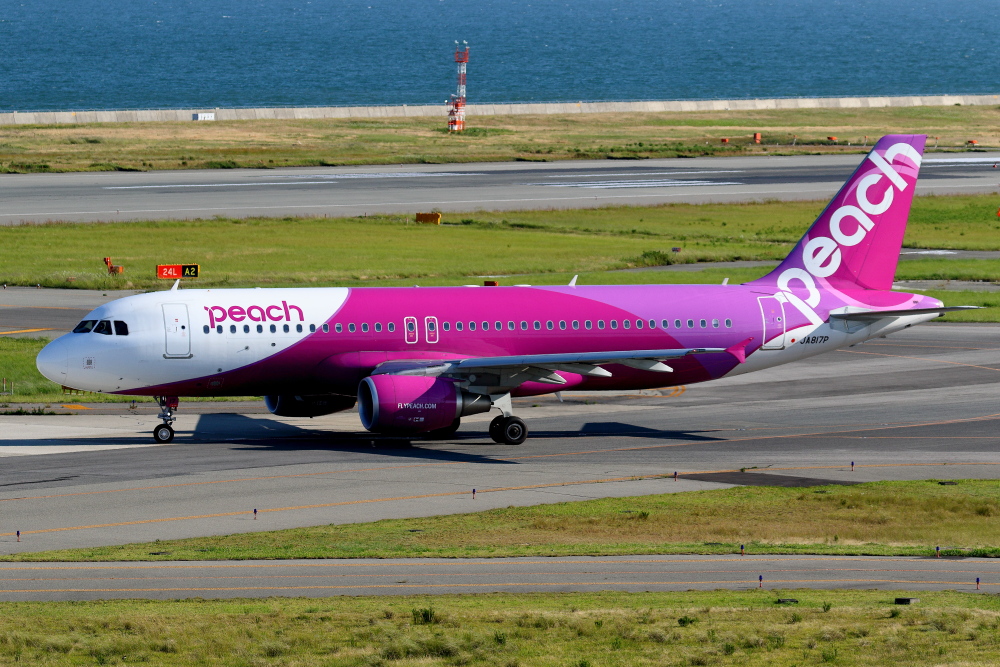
(773, 312)
(177, 331)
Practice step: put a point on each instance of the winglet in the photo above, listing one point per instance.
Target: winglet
(740, 350)
(176, 283)
(572, 283)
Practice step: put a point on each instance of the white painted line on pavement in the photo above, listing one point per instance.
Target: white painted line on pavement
(379, 174)
(652, 173)
(619, 185)
(211, 185)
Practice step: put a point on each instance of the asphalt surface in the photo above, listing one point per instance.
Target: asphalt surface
(354, 191)
(412, 576)
(921, 404)
(26, 311)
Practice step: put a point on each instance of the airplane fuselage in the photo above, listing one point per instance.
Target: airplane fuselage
(326, 340)
(419, 359)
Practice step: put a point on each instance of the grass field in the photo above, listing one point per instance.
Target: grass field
(878, 518)
(566, 630)
(277, 143)
(17, 365)
(521, 244)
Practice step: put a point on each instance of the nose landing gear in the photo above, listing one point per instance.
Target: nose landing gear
(164, 433)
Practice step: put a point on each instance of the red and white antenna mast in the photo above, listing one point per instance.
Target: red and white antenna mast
(456, 112)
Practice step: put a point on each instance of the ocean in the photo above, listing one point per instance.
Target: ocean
(127, 54)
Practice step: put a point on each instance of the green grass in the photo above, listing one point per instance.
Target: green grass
(17, 365)
(266, 144)
(983, 270)
(877, 518)
(606, 629)
(989, 302)
(353, 251)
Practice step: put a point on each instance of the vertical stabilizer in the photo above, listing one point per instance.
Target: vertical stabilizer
(855, 242)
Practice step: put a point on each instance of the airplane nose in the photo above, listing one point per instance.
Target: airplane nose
(53, 360)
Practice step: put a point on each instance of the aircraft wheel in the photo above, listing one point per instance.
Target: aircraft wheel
(515, 431)
(444, 433)
(496, 429)
(163, 433)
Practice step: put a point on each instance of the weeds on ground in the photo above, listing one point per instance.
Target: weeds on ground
(564, 629)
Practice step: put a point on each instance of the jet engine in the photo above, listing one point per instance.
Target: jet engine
(289, 405)
(415, 404)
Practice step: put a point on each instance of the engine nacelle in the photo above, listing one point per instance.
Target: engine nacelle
(415, 404)
(289, 405)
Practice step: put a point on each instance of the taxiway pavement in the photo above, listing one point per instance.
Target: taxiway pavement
(354, 191)
(921, 404)
(422, 576)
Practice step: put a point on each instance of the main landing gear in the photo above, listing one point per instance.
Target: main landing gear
(164, 433)
(508, 430)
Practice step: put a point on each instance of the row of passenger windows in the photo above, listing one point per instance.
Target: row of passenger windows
(105, 327)
(260, 328)
(472, 326)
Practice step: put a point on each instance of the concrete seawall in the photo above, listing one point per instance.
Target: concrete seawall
(167, 115)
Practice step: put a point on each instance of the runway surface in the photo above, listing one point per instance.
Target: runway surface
(310, 578)
(922, 404)
(353, 191)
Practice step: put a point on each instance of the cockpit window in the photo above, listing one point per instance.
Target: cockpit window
(121, 328)
(103, 327)
(85, 327)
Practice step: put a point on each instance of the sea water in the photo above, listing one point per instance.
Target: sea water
(113, 54)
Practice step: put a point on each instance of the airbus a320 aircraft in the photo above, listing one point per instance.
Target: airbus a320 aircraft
(416, 360)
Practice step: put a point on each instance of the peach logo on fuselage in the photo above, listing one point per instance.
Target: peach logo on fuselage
(273, 313)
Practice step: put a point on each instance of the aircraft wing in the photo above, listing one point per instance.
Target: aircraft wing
(873, 315)
(511, 371)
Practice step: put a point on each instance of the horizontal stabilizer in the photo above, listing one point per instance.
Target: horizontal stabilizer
(872, 315)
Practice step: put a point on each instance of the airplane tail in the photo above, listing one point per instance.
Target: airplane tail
(855, 241)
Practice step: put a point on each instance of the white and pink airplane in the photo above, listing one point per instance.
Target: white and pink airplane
(416, 360)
